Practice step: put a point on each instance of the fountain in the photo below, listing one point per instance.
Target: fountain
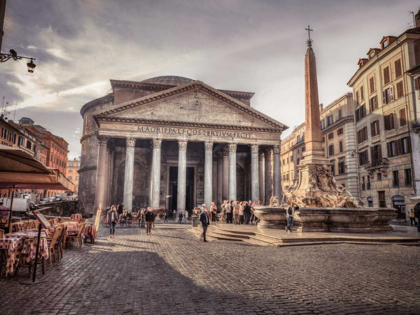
(324, 205)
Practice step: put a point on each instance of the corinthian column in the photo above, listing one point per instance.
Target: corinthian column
(156, 173)
(232, 171)
(276, 166)
(268, 175)
(101, 178)
(208, 173)
(225, 173)
(129, 174)
(219, 179)
(255, 185)
(182, 175)
(261, 176)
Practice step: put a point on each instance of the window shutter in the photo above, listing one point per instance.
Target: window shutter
(398, 70)
(403, 117)
(391, 93)
(372, 85)
(357, 115)
(417, 83)
(388, 147)
(398, 150)
(372, 129)
(409, 144)
(362, 95)
(372, 155)
(384, 97)
(386, 122)
(400, 90)
(379, 152)
(375, 102)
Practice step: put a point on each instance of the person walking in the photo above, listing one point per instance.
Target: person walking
(180, 216)
(205, 222)
(235, 207)
(112, 220)
(247, 212)
(417, 214)
(290, 220)
(149, 220)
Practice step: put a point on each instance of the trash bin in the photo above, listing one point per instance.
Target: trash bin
(194, 220)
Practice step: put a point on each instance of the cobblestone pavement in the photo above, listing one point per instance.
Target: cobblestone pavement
(171, 272)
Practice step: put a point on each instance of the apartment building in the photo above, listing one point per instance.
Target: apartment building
(72, 173)
(385, 107)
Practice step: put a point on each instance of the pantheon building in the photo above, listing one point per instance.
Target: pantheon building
(176, 143)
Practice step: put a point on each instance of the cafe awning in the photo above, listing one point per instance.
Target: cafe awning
(20, 170)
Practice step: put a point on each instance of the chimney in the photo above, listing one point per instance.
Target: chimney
(321, 107)
(417, 18)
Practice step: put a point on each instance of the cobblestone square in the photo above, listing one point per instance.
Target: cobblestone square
(171, 272)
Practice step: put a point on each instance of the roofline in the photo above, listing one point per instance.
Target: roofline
(100, 100)
(342, 97)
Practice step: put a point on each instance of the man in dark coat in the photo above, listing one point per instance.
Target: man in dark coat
(120, 208)
(247, 212)
(205, 222)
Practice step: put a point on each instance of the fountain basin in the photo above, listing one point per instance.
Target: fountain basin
(270, 217)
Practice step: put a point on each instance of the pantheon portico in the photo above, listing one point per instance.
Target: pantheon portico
(175, 143)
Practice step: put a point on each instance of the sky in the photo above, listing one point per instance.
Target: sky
(247, 45)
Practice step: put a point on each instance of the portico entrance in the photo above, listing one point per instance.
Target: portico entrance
(173, 188)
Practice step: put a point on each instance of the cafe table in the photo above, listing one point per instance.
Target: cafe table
(12, 248)
(30, 240)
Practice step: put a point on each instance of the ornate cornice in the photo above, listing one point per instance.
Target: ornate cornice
(102, 100)
(88, 135)
(87, 168)
(190, 87)
(182, 144)
(208, 146)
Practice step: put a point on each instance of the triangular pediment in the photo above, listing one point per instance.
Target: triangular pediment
(193, 103)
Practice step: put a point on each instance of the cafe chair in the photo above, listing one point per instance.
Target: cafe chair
(52, 245)
(76, 237)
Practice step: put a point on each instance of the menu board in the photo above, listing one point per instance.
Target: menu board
(40, 217)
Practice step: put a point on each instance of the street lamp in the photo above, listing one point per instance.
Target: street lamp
(13, 55)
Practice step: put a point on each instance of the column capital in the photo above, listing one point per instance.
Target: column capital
(268, 151)
(261, 155)
(156, 143)
(103, 140)
(130, 142)
(182, 145)
(208, 146)
(232, 147)
(276, 149)
(254, 148)
(226, 151)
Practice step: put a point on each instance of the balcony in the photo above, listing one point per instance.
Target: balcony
(378, 166)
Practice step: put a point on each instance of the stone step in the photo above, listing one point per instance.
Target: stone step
(254, 241)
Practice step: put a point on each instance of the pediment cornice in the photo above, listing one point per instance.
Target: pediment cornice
(195, 85)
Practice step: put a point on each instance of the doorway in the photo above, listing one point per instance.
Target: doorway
(399, 204)
(173, 188)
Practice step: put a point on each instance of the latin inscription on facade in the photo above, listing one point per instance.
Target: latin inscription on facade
(194, 132)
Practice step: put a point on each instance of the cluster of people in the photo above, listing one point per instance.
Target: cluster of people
(238, 212)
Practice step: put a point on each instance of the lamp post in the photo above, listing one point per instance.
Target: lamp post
(13, 55)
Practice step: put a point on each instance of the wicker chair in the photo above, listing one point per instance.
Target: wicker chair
(62, 243)
(76, 237)
(52, 245)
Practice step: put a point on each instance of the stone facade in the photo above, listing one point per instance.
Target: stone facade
(386, 110)
(175, 143)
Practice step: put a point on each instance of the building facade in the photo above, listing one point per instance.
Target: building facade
(72, 172)
(175, 143)
(339, 145)
(385, 102)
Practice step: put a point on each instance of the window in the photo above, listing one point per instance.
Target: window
(405, 145)
(381, 196)
(322, 124)
(362, 135)
(287, 159)
(374, 128)
(395, 179)
(341, 166)
(392, 148)
(70, 171)
(34, 148)
(398, 69)
(388, 95)
(340, 132)
(28, 144)
(408, 178)
(77, 177)
(360, 112)
(69, 178)
(330, 136)
(368, 182)
(330, 120)
(403, 117)
(340, 113)
(70, 164)
(387, 78)
(376, 155)
(363, 157)
(331, 149)
(370, 202)
(297, 161)
(379, 176)
(283, 162)
(363, 183)
(298, 138)
(373, 103)
(303, 149)
(389, 121)
(400, 89)
(340, 145)
(372, 84)
(362, 95)
(332, 166)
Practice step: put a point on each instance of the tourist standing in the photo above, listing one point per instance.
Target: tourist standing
(290, 220)
(112, 220)
(235, 207)
(149, 220)
(228, 212)
(417, 214)
(247, 212)
(241, 213)
(180, 216)
(205, 222)
(213, 211)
